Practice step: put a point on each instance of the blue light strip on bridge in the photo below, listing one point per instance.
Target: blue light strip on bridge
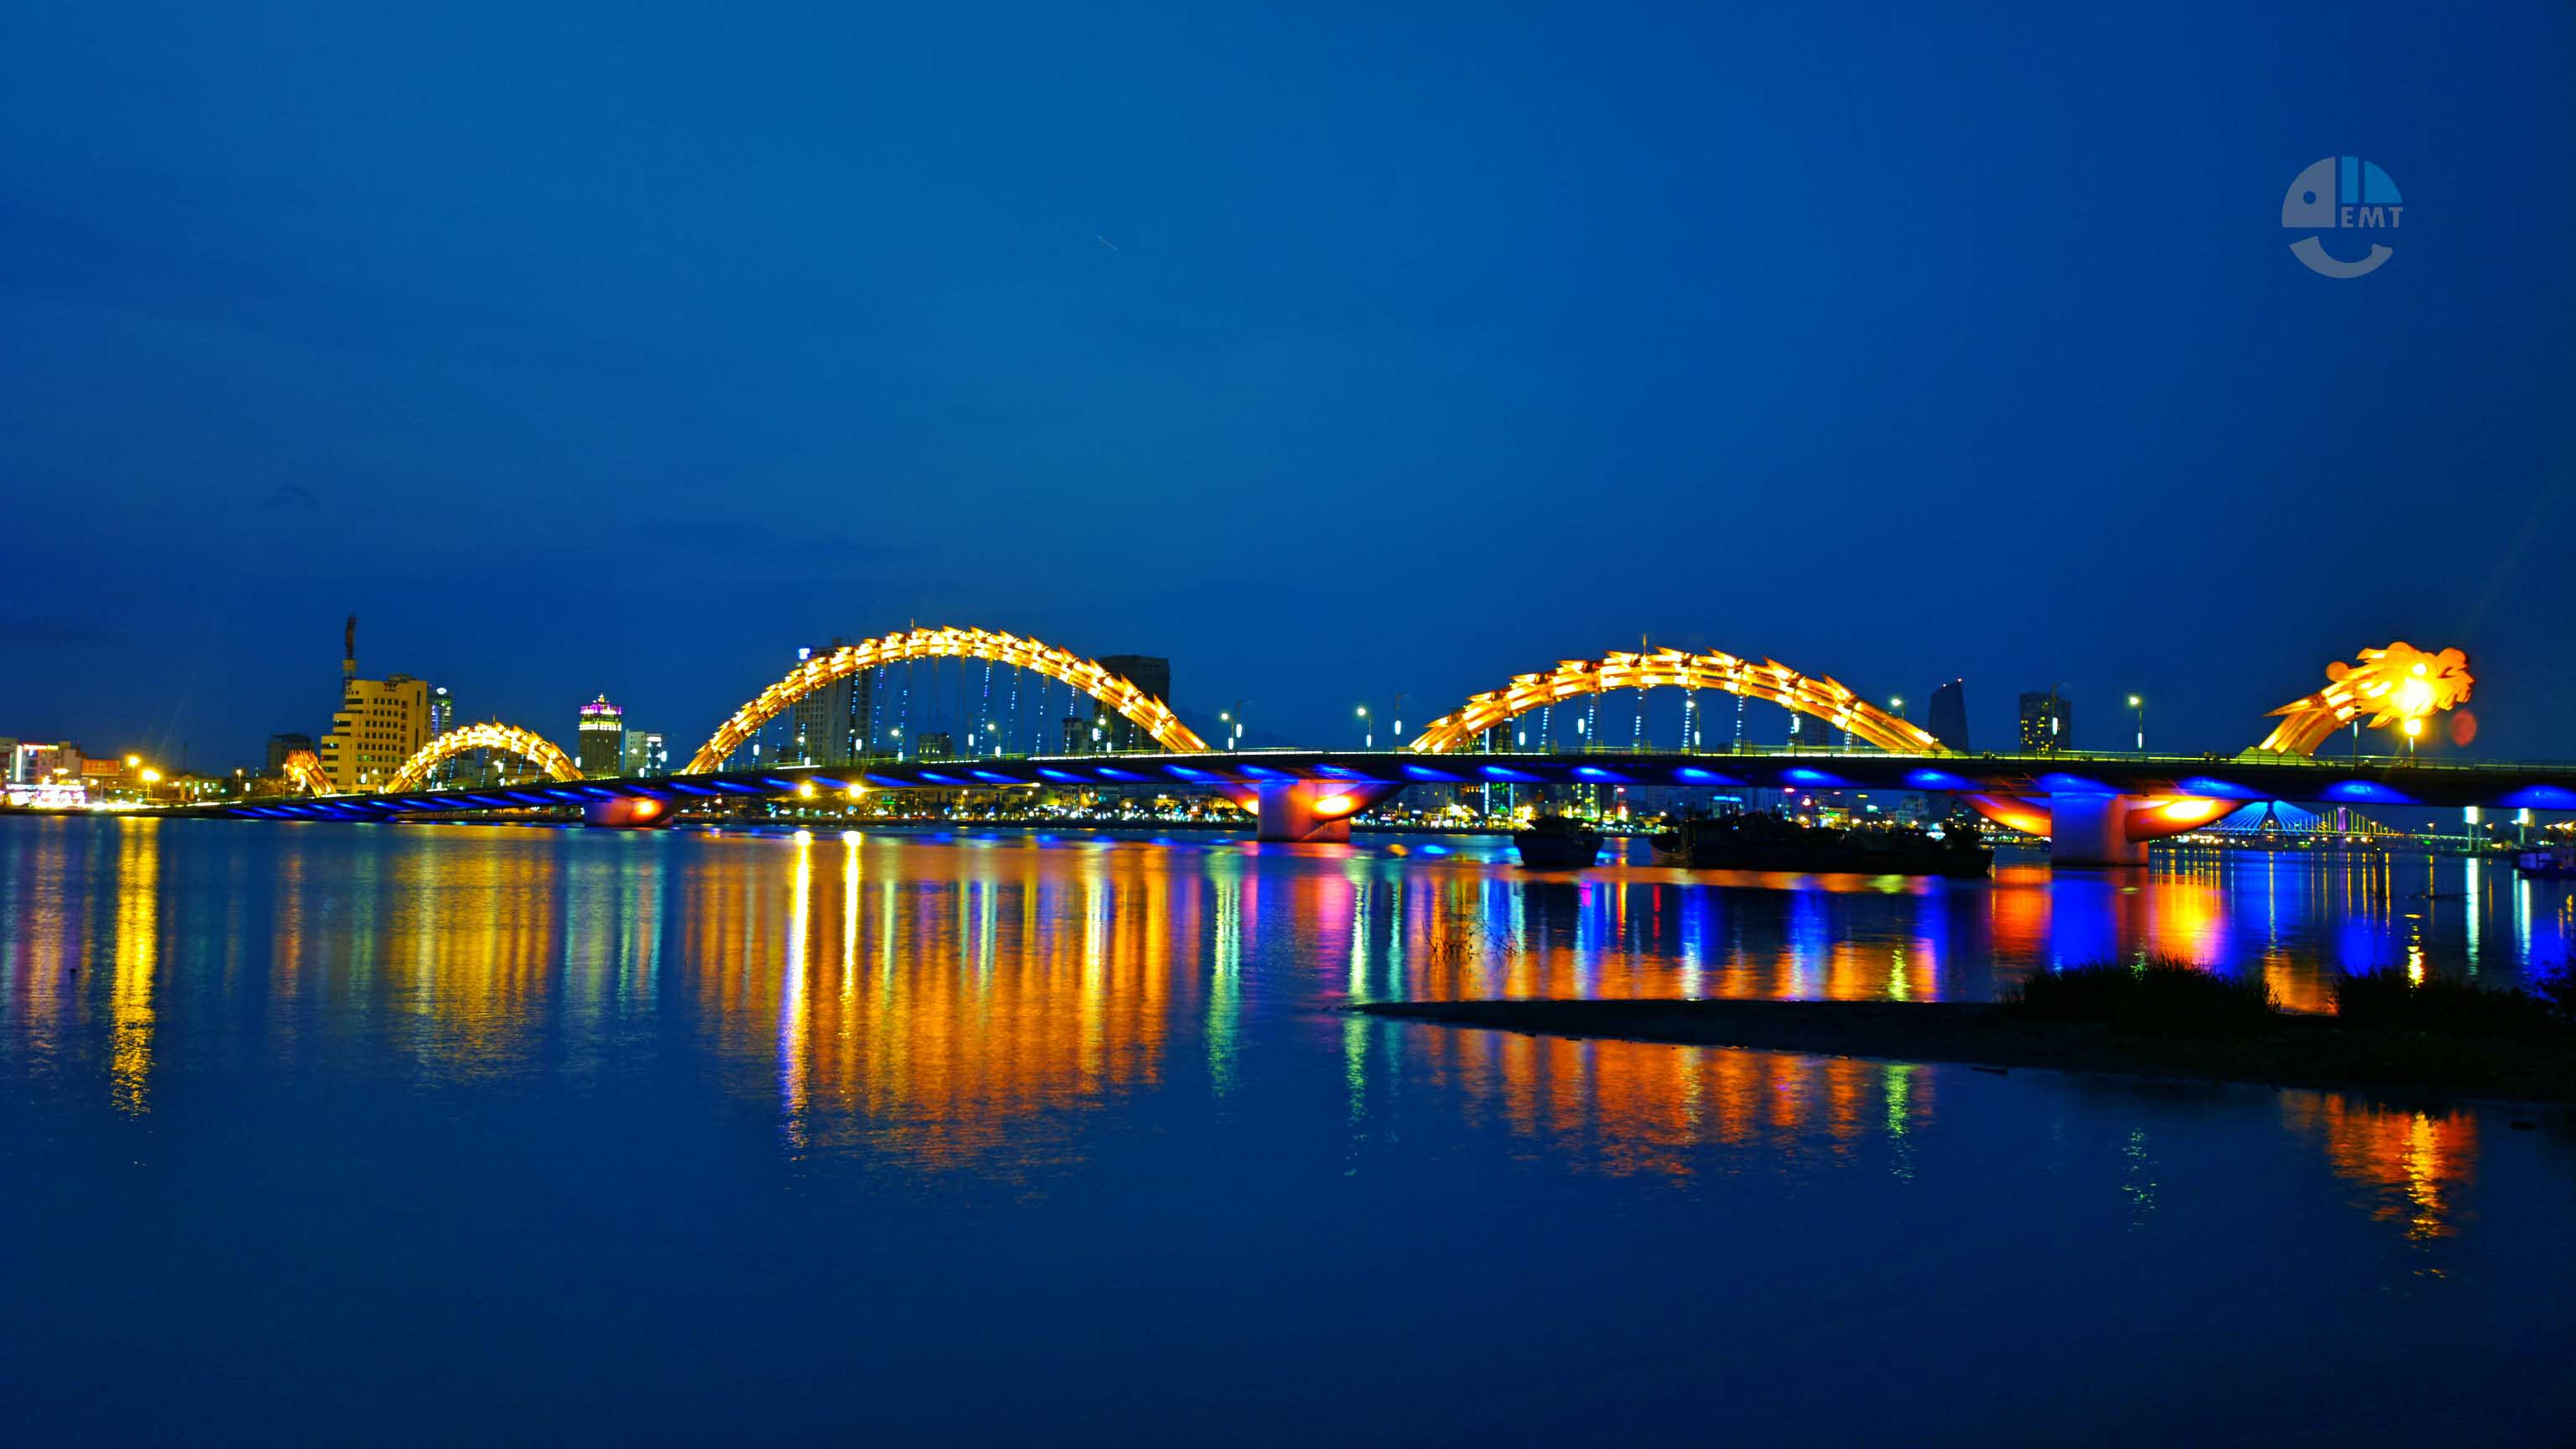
(2364, 790)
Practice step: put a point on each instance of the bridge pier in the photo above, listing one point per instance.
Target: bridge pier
(2093, 830)
(1313, 811)
(2100, 827)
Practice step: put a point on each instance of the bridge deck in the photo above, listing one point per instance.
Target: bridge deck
(2365, 781)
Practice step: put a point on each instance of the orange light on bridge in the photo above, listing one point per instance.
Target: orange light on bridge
(2159, 819)
(1333, 807)
(647, 809)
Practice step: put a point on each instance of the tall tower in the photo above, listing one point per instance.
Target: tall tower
(1950, 715)
(600, 749)
(348, 655)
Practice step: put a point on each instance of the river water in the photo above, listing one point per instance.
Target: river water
(362, 1133)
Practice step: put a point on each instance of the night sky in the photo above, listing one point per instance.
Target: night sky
(1330, 351)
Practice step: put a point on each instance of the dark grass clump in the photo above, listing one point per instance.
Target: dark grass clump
(2161, 995)
(2388, 1000)
(2557, 991)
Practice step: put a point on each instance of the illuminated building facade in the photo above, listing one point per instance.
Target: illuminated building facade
(34, 763)
(2047, 722)
(600, 748)
(379, 724)
(645, 754)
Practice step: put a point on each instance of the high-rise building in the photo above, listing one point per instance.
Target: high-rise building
(1146, 672)
(934, 745)
(1077, 734)
(645, 755)
(1949, 719)
(600, 749)
(2047, 722)
(380, 724)
(442, 711)
(830, 725)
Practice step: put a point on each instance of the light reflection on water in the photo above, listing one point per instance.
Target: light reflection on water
(960, 1013)
(954, 1000)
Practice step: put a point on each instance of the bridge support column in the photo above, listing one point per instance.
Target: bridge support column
(2093, 830)
(1317, 811)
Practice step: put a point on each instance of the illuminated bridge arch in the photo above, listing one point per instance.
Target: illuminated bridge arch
(1824, 699)
(528, 745)
(1146, 712)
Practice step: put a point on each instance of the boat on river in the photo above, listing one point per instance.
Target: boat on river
(1556, 842)
(2548, 862)
(1771, 842)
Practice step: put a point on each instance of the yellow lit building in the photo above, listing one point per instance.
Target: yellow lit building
(380, 724)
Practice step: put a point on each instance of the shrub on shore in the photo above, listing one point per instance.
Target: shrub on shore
(2389, 999)
(2160, 994)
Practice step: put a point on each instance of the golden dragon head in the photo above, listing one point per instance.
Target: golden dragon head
(2398, 685)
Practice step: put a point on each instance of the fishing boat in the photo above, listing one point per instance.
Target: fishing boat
(1556, 842)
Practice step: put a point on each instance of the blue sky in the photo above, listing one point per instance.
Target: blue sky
(1331, 352)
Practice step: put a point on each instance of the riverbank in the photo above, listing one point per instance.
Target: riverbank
(2294, 1051)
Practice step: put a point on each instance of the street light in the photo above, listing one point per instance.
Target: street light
(1897, 705)
(2140, 705)
(1368, 735)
